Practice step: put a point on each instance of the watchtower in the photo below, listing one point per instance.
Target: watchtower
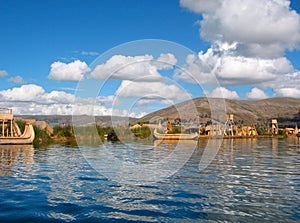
(229, 125)
(274, 126)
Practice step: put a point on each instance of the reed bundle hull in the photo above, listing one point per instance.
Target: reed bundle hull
(192, 136)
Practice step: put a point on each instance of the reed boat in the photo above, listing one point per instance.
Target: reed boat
(178, 136)
(10, 133)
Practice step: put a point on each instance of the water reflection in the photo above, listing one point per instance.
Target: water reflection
(249, 180)
(254, 179)
(13, 155)
(78, 192)
(128, 164)
(209, 152)
(293, 141)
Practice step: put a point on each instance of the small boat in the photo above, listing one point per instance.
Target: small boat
(178, 136)
(10, 133)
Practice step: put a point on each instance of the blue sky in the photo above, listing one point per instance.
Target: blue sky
(250, 46)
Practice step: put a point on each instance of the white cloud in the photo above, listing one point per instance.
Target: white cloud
(137, 115)
(260, 27)
(151, 90)
(284, 84)
(154, 101)
(59, 97)
(197, 70)
(28, 92)
(69, 89)
(3, 73)
(200, 6)
(73, 71)
(92, 109)
(89, 53)
(138, 68)
(232, 70)
(33, 99)
(36, 94)
(16, 79)
(165, 61)
(222, 92)
(288, 92)
(248, 42)
(290, 80)
(244, 70)
(105, 100)
(256, 93)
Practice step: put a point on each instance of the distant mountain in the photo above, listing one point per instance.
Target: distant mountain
(53, 120)
(285, 110)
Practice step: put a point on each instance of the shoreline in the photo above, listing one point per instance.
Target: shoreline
(243, 137)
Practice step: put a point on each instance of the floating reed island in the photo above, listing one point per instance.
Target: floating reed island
(17, 130)
(166, 129)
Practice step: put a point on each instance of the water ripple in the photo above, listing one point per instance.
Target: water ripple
(249, 180)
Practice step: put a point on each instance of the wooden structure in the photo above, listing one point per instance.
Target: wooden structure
(292, 131)
(229, 125)
(296, 131)
(178, 136)
(228, 130)
(246, 131)
(274, 126)
(10, 132)
(214, 130)
(8, 127)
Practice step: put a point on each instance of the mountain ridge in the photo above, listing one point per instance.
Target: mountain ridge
(285, 109)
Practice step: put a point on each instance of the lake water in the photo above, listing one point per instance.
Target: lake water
(249, 180)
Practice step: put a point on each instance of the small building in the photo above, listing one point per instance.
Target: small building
(247, 131)
(214, 130)
(290, 131)
(274, 126)
(136, 126)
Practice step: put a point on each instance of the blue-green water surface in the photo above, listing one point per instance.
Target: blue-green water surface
(249, 180)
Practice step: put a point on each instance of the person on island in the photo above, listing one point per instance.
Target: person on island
(169, 127)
